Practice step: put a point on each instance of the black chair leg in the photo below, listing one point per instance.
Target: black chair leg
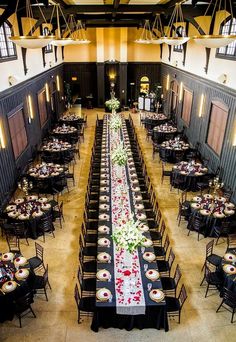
(219, 306)
(207, 290)
(45, 292)
(32, 312)
(232, 318)
(20, 321)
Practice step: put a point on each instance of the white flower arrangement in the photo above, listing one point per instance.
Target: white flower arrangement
(113, 103)
(119, 155)
(128, 236)
(115, 122)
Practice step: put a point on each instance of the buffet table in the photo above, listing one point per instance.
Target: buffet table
(129, 291)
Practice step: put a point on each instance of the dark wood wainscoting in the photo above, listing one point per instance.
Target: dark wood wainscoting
(82, 78)
(197, 130)
(12, 100)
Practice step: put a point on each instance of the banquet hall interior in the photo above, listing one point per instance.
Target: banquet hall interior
(117, 170)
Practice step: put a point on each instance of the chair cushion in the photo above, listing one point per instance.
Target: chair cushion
(172, 304)
(90, 266)
(87, 304)
(214, 259)
(163, 265)
(91, 238)
(38, 282)
(90, 251)
(35, 262)
(159, 251)
(89, 284)
(155, 235)
(168, 283)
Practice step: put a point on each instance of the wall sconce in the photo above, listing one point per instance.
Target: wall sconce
(112, 77)
(2, 140)
(58, 83)
(167, 82)
(181, 92)
(202, 100)
(234, 140)
(47, 92)
(30, 107)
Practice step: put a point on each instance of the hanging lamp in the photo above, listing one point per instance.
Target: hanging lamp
(78, 32)
(146, 34)
(176, 17)
(59, 40)
(31, 41)
(220, 40)
(157, 25)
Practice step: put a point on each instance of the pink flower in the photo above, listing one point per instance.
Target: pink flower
(127, 273)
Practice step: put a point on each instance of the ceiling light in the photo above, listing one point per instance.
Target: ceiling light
(31, 41)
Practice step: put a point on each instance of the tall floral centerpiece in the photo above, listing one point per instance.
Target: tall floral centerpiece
(128, 236)
(115, 122)
(119, 157)
(113, 104)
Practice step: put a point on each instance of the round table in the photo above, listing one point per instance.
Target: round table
(56, 151)
(28, 210)
(45, 175)
(213, 208)
(171, 150)
(68, 133)
(186, 174)
(16, 279)
(228, 266)
(72, 119)
(164, 132)
(45, 171)
(154, 119)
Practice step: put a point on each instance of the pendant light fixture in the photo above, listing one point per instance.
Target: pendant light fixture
(157, 27)
(146, 34)
(78, 32)
(176, 17)
(31, 41)
(220, 40)
(59, 40)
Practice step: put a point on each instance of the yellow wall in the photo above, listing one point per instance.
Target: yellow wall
(118, 44)
(82, 53)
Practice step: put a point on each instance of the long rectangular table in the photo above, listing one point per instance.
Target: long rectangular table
(120, 194)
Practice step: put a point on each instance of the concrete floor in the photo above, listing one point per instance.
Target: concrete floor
(57, 319)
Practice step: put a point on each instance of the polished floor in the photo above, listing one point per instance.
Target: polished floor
(57, 319)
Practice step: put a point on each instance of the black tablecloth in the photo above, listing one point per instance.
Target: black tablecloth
(105, 312)
(7, 306)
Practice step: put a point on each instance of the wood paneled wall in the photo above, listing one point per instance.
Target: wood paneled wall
(136, 70)
(198, 128)
(85, 79)
(12, 100)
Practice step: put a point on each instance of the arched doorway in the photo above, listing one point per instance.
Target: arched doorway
(144, 85)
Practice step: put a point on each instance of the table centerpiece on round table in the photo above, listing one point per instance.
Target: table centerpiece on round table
(119, 157)
(113, 104)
